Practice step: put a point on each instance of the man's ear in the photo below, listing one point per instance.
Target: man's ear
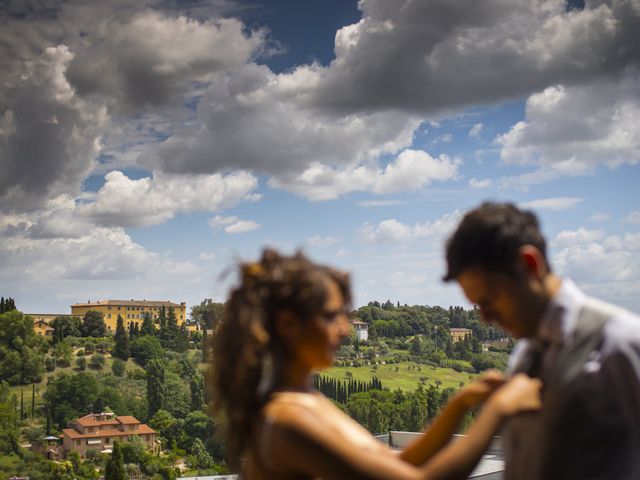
(532, 261)
(287, 326)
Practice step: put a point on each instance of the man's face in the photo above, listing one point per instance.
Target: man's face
(508, 301)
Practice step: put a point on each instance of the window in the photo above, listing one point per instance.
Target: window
(106, 440)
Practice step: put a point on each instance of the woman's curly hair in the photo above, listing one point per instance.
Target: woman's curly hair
(247, 334)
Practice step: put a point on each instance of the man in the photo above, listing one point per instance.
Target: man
(586, 352)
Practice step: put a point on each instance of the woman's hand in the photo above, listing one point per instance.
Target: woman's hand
(477, 391)
(519, 394)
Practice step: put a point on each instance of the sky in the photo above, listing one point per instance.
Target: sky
(147, 146)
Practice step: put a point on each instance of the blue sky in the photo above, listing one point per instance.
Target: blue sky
(146, 146)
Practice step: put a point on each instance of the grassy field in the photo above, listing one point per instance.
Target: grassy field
(407, 376)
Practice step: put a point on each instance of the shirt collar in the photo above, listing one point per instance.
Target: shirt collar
(559, 321)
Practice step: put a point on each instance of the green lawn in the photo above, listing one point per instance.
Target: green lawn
(404, 378)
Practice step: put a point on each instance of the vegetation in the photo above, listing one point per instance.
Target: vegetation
(397, 380)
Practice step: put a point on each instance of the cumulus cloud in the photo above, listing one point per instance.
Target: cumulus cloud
(147, 201)
(608, 268)
(568, 238)
(633, 217)
(438, 56)
(411, 170)
(146, 59)
(100, 254)
(572, 130)
(254, 119)
(49, 136)
(233, 224)
(393, 231)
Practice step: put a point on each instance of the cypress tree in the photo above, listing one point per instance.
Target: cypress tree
(121, 337)
(148, 328)
(114, 470)
(155, 386)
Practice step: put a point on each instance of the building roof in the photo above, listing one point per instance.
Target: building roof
(127, 420)
(112, 432)
(124, 303)
(461, 330)
(358, 322)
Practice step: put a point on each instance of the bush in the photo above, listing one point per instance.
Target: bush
(81, 363)
(80, 353)
(118, 367)
(97, 361)
(50, 364)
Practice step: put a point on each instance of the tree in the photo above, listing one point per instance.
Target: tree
(156, 387)
(97, 361)
(65, 326)
(121, 349)
(196, 385)
(63, 353)
(21, 350)
(147, 328)
(6, 305)
(93, 324)
(69, 396)
(114, 469)
(145, 348)
(199, 457)
(81, 363)
(118, 367)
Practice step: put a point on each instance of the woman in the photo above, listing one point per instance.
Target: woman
(285, 320)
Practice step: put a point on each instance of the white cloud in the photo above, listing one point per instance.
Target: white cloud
(556, 204)
(318, 241)
(475, 131)
(485, 183)
(567, 238)
(387, 231)
(633, 217)
(254, 119)
(150, 201)
(233, 224)
(146, 59)
(207, 256)
(393, 231)
(599, 217)
(411, 170)
(401, 54)
(572, 130)
(100, 254)
(609, 268)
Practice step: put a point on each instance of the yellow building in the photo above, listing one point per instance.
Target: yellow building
(458, 334)
(42, 322)
(129, 310)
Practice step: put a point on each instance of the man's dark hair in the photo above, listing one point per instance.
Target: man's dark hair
(490, 237)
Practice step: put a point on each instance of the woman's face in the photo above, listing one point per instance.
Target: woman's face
(320, 337)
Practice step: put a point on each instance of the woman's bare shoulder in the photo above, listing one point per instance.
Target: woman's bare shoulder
(292, 407)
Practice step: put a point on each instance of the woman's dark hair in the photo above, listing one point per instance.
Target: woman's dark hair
(490, 237)
(247, 334)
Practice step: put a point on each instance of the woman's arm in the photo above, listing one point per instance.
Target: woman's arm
(441, 430)
(298, 444)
